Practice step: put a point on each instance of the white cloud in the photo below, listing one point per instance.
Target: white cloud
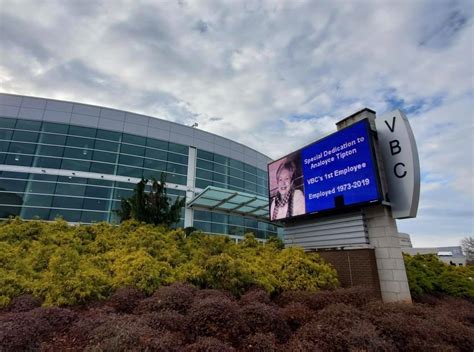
(274, 75)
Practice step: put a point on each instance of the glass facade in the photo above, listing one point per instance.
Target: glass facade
(36, 155)
(220, 171)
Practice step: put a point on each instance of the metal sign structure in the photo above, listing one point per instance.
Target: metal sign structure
(402, 166)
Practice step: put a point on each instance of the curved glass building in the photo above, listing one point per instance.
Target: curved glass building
(76, 161)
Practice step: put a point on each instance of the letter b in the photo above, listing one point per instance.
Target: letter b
(395, 147)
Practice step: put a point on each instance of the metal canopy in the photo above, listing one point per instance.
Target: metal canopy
(215, 198)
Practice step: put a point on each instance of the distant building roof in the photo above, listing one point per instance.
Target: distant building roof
(454, 251)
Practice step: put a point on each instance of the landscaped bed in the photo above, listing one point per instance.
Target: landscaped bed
(181, 317)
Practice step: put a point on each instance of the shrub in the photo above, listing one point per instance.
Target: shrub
(297, 270)
(24, 303)
(177, 297)
(167, 320)
(296, 315)
(255, 294)
(260, 343)
(428, 275)
(26, 330)
(263, 318)
(64, 265)
(219, 318)
(125, 300)
(339, 327)
(209, 344)
(167, 342)
(123, 333)
(139, 269)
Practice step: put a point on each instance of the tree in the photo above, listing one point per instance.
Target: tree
(467, 244)
(153, 207)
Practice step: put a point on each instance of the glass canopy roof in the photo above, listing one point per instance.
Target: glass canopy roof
(215, 198)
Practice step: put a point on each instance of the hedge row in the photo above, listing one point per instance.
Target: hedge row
(428, 275)
(181, 317)
(65, 265)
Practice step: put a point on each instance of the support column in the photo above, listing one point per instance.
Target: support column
(190, 186)
(383, 236)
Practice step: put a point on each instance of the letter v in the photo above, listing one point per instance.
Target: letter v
(391, 128)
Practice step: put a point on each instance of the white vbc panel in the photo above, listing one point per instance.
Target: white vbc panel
(401, 163)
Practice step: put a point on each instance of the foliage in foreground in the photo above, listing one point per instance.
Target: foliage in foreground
(181, 317)
(428, 275)
(63, 264)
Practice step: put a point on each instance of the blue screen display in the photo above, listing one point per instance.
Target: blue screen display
(333, 173)
(339, 171)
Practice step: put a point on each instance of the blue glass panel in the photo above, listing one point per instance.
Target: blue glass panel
(132, 139)
(96, 204)
(68, 215)
(109, 135)
(102, 168)
(28, 125)
(67, 202)
(129, 171)
(156, 143)
(7, 123)
(22, 148)
(50, 150)
(51, 163)
(4, 146)
(78, 165)
(34, 212)
(6, 134)
(132, 150)
(178, 148)
(82, 131)
(105, 145)
(19, 160)
(12, 185)
(23, 136)
(53, 139)
(55, 127)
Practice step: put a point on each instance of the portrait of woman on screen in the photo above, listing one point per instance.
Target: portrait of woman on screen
(288, 200)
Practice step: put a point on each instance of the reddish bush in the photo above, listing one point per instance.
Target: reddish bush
(121, 333)
(355, 296)
(456, 308)
(296, 314)
(167, 342)
(24, 303)
(212, 293)
(255, 295)
(287, 297)
(170, 320)
(339, 327)
(124, 300)
(260, 343)
(262, 318)
(177, 297)
(209, 344)
(26, 330)
(79, 331)
(216, 317)
(453, 333)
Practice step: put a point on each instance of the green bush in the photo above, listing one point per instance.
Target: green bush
(64, 265)
(428, 275)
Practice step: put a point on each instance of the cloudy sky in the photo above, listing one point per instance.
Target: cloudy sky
(274, 75)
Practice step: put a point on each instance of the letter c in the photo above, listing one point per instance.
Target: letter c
(395, 170)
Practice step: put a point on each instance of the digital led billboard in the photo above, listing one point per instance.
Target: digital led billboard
(333, 173)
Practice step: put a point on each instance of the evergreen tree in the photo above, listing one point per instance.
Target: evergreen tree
(153, 207)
